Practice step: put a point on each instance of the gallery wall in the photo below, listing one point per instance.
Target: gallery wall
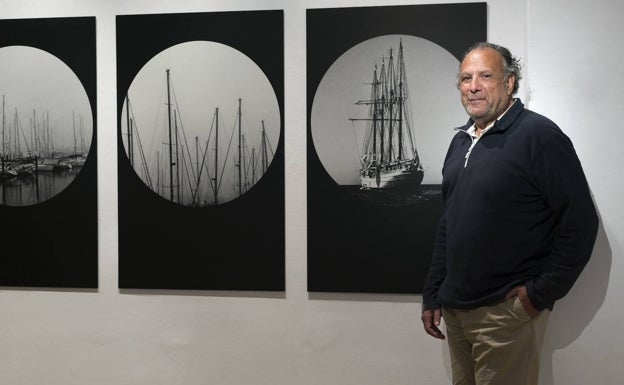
(573, 68)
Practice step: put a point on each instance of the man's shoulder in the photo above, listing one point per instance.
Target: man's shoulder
(538, 125)
(537, 117)
(540, 133)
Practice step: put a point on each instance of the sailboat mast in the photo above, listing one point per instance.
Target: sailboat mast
(34, 120)
(3, 142)
(170, 140)
(50, 144)
(197, 165)
(390, 106)
(240, 168)
(17, 137)
(132, 142)
(82, 143)
(401, 99)
(130, 138)
(216, 167)
(265, 160)
(3, 135)
(158, 172)
(177, 151)
(253, 166)
(375, 113)
(381, 114)
(16, 152)
(74, 127)
(244, 163)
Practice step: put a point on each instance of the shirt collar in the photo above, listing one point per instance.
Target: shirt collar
(472, 129)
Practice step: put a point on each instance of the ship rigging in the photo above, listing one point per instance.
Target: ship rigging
(389, 159)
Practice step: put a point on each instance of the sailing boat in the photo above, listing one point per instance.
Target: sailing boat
(389, 159)
(6, 170)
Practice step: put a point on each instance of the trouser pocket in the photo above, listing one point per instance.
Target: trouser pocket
(517, 309)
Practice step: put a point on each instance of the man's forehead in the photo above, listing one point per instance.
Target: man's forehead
(482, 58)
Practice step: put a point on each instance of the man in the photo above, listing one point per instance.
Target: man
(518, 227)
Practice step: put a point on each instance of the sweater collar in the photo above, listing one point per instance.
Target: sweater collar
(502, 123)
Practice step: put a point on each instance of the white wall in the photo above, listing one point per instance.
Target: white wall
(576, 66)
(574, 72)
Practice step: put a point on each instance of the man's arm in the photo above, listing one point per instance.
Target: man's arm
(564, 187)
(437, 268)
(437, 271)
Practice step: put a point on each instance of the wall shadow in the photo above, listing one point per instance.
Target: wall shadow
(573, 313)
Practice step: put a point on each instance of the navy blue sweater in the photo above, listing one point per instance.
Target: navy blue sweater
(518, 212)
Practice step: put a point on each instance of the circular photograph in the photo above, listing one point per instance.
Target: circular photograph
(383, 116)
(47, 126)
(200, 124)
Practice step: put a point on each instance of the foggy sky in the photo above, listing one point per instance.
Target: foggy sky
(34, 80)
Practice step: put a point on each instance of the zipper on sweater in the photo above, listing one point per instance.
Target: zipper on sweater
(474, 142)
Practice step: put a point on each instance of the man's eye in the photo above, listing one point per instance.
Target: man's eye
(486, 76)
(465, 79)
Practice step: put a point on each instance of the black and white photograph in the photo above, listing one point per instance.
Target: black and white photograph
(46, 126)
(375, 129)
(200, 151)
(382, 105)
(48, 170)
(203, 124)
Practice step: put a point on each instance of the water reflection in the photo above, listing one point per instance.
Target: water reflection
(30, 189)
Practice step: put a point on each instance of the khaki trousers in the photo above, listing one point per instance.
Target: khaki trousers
(495, 345)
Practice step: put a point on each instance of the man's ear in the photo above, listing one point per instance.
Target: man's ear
(511, 79)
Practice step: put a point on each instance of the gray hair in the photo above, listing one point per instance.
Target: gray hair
(511, 64)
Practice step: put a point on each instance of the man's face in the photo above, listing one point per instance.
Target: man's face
(485, 92)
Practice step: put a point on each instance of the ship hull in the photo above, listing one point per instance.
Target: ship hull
(400, 179)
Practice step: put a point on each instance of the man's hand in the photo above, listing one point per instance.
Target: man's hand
(521, 293)
(431, 321)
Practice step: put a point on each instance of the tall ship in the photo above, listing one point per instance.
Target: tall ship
(389, 159)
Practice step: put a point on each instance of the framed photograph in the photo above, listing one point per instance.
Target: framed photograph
(48, 154)
(382, 104)
(200, 144)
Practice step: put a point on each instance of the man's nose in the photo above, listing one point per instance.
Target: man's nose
(475, 85)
